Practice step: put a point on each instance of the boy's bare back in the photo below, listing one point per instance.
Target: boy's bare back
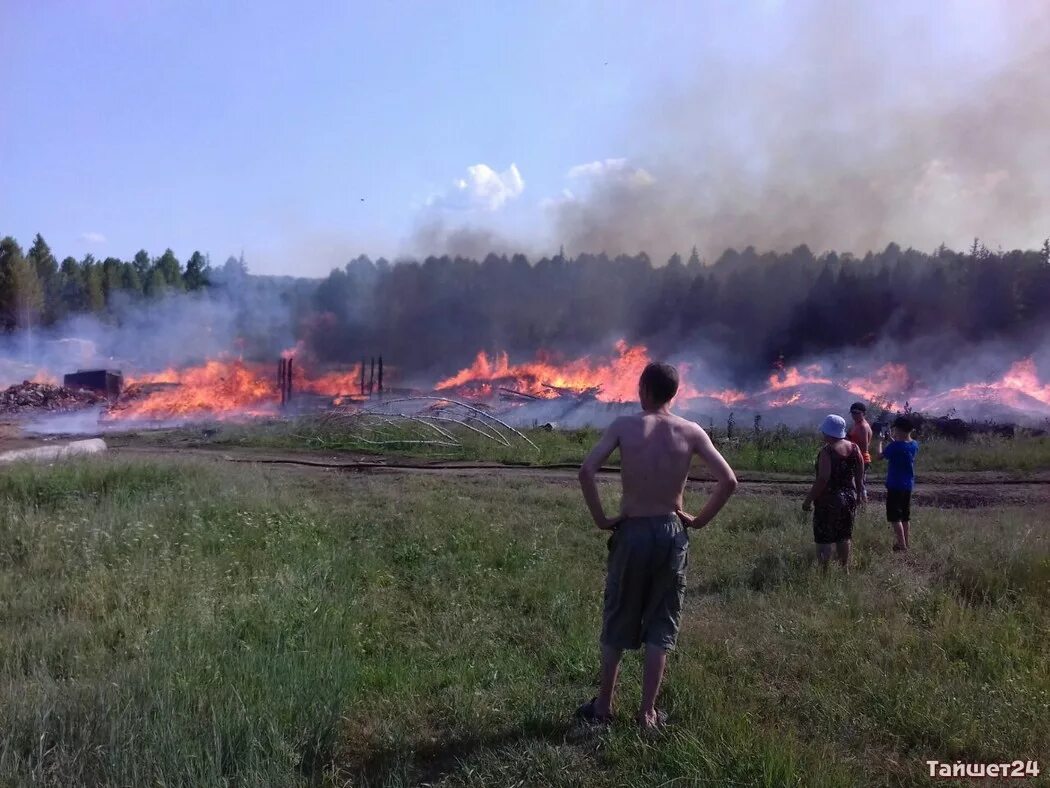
(656, 450)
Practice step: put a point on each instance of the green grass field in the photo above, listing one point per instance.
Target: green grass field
(200, 623)
(775, 451)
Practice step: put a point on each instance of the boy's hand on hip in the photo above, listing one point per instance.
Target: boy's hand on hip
(687, 519)
(610, 523)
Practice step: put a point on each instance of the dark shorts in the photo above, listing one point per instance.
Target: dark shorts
(833, 517)
(645, 583)
(898, 506)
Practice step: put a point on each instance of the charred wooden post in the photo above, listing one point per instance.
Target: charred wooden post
(289, 368)
(281, 363)
(380, 374)
(284, 380)
(362, 377)
(372, 377)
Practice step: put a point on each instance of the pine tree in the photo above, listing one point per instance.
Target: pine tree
(112, 278)
(42, 259)
(130, 281)
(142, 264)
(171, 269)
(233, 271)
(28, 295)
(21, 296)
(198, 272)
(94, 290)
(156, 284)
(46, 266)
(71, 295)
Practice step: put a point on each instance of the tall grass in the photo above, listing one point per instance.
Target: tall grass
(195, 623)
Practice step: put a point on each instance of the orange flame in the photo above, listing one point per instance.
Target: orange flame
(232, 388)
(223, 389)
(615, 381)
(888, 384)
(791, 378)
(331, 384)
(1023, 378)
(218, 388)
(1019, 389)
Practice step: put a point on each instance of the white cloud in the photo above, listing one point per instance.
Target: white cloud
(566, 196)
(615, 170)
(93, 238)
(596, 168)
(600, 177)
(483, 188)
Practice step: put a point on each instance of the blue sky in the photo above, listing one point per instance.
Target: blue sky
(307, 133)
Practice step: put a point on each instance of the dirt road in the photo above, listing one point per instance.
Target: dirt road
(962, 490)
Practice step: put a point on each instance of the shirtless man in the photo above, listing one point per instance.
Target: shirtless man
(645, 584)
(860, 432)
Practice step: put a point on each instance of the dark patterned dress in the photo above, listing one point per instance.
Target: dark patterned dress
(836, 509)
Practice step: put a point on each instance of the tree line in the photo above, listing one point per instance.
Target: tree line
(38, 290)
(754, 307)
(435, 314)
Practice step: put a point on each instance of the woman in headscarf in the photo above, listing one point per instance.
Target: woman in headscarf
(836, 492)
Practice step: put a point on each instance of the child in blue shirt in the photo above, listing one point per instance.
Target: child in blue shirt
(900, 478)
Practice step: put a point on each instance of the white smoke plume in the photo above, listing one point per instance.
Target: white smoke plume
(865, 128)
(179, 329)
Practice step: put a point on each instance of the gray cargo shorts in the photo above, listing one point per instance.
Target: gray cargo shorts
(645, 583)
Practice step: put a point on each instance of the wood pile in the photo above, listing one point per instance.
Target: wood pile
(558, 393)
(29, 396)
(589, 393)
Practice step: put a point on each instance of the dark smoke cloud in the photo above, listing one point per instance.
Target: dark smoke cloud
(866, 127)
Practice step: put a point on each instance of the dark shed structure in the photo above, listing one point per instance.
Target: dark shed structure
(105, 381)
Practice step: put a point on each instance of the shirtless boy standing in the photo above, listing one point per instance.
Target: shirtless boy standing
(860, 433)
(645, 584)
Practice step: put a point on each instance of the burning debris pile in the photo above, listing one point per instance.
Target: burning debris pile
(586, 391)
(573, 391)
(29, 396)
(509, 394)
(232, 389)
(214, 389)
(218, 389)
(549, 378)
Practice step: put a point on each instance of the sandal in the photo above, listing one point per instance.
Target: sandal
(589, 714)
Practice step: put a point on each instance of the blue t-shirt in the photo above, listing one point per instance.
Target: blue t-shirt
(900, 475)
